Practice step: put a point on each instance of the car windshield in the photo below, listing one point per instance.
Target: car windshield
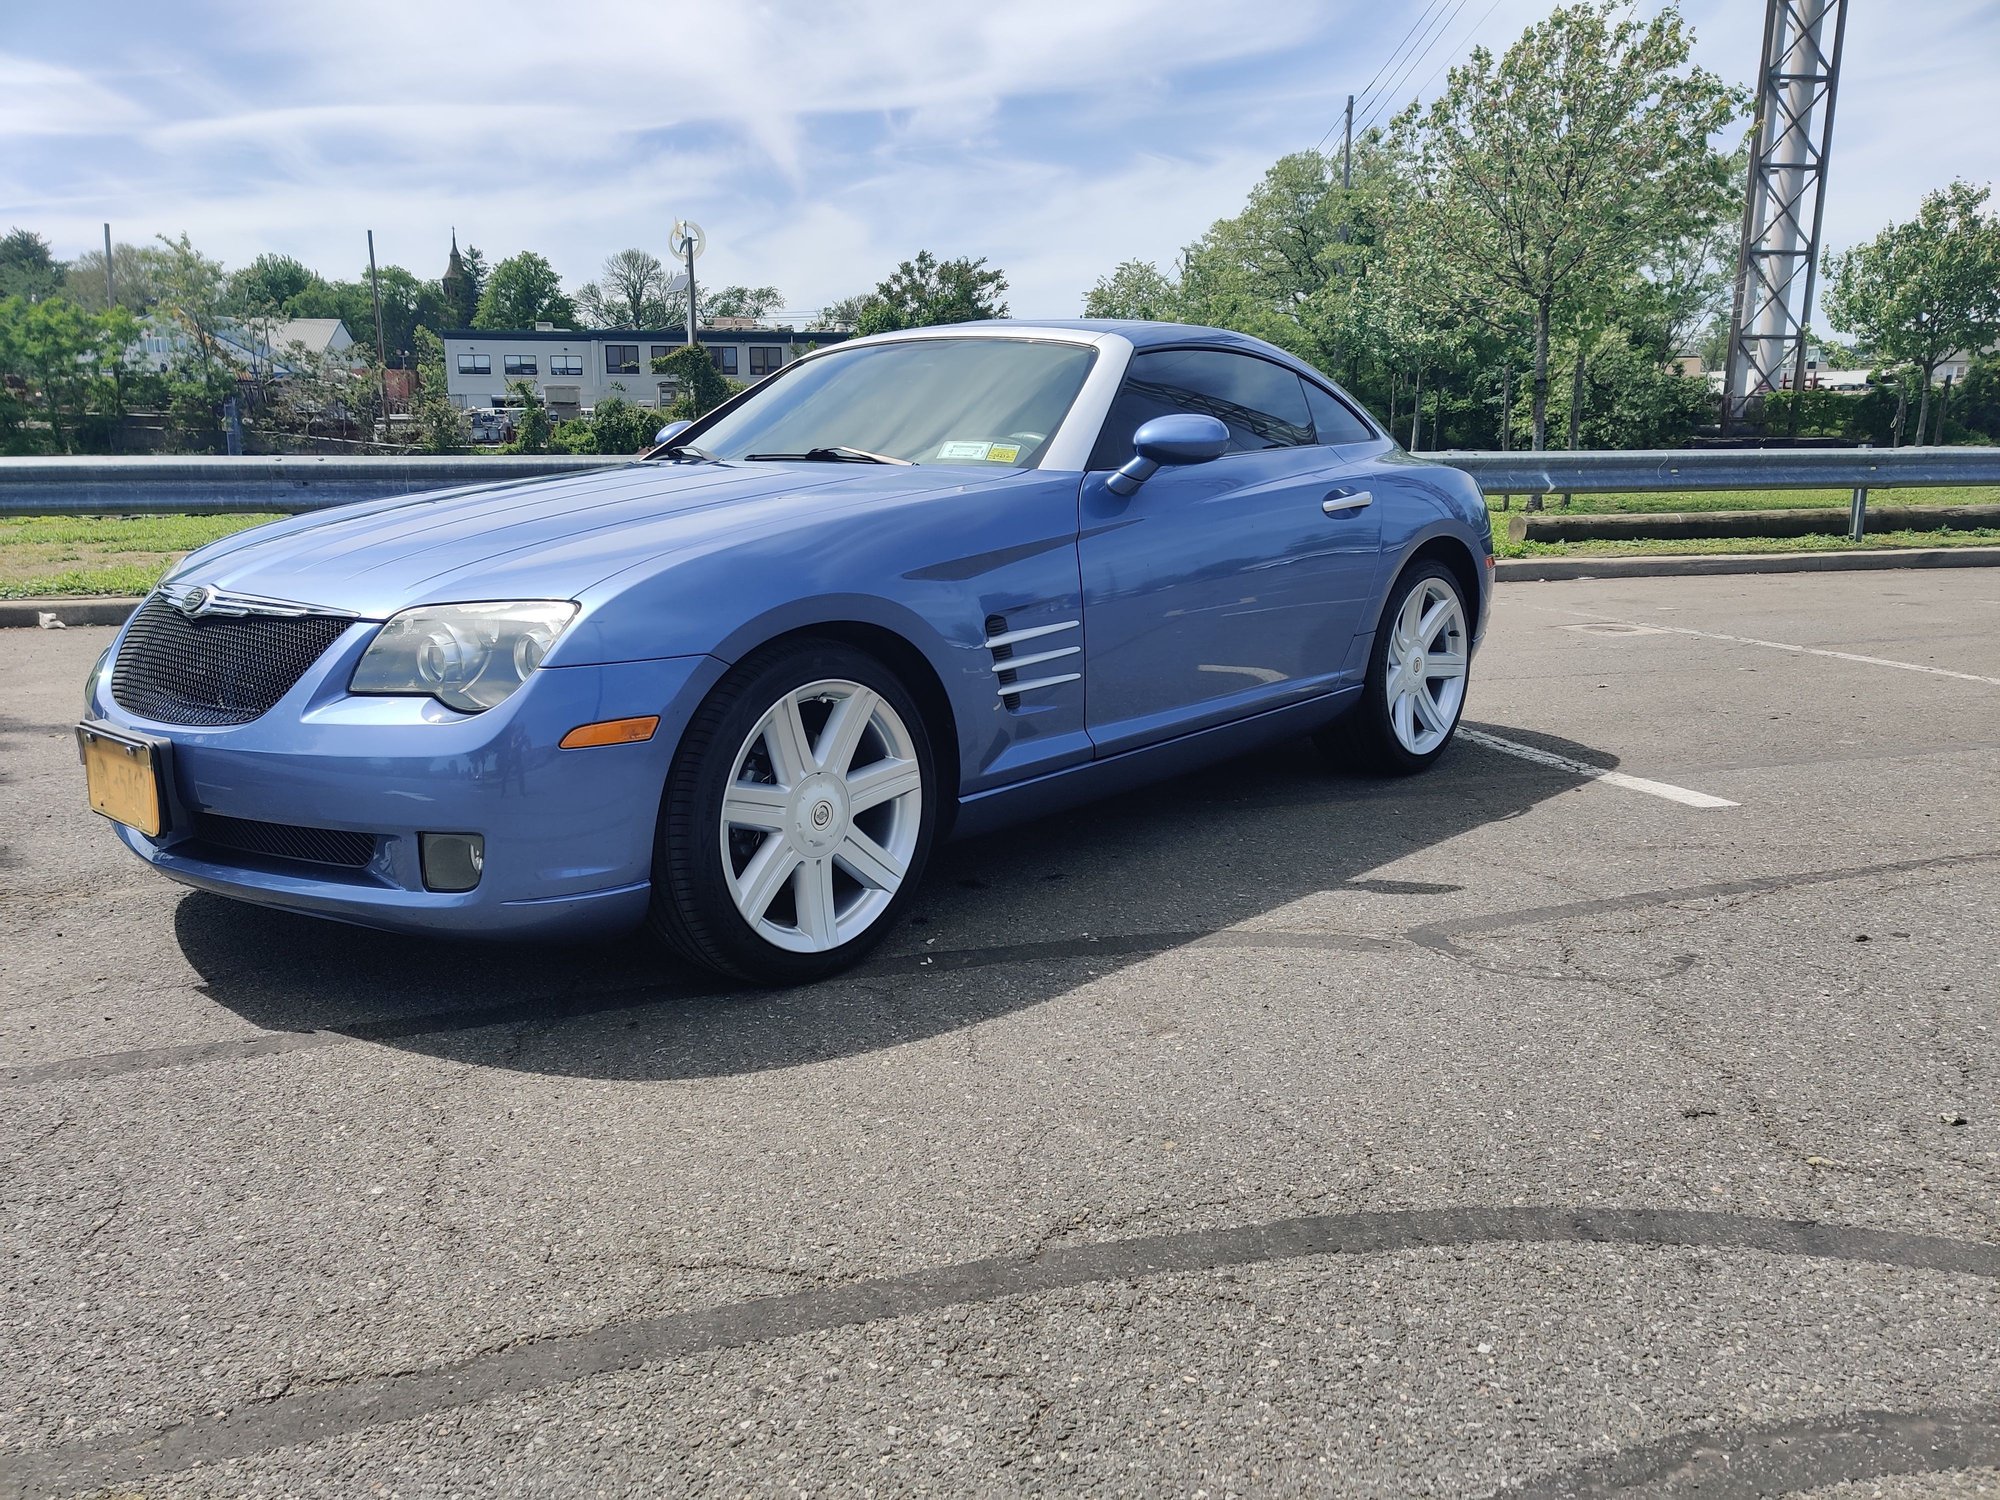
(985, 402)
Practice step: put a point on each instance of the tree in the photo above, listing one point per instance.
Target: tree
(1920, 291)
(194, 303)
(926, 291)
(1566, 164)
(1137, 289)
(522, 291)
(28, 269)
(535, 429)
(737, 302)
(703, 387)
(440, 425)
(846, 312)
(61, 362)
(630, 292)
(134, 275)
(269, 285)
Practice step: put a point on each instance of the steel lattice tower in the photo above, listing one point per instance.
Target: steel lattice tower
(1784, 199)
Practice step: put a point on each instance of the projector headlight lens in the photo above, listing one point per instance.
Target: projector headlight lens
(467, 656)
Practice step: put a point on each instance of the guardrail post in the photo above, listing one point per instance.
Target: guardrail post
(1857, 513)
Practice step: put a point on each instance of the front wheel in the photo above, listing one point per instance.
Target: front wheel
(798, 817)
(1417, 674)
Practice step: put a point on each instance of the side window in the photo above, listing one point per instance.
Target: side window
(1333, 422)
(1262, 404)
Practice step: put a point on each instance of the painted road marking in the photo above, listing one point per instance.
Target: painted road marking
(1751, 640)
(1664, 789)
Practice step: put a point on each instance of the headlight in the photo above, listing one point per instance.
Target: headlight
(90, 683)
(467, 656)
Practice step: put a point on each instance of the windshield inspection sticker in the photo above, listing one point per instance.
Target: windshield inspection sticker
(964, 450)
(1003, 453)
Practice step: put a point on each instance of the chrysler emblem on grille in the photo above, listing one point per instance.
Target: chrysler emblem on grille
(192, 602)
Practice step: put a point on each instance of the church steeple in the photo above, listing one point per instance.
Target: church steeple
(460, 295)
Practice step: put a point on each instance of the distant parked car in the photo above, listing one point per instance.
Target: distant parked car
(739, 689)
(493, 424)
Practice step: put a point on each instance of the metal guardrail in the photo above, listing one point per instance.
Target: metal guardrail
(293, 483)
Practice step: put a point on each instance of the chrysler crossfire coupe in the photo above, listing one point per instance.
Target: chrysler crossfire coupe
(737, 689)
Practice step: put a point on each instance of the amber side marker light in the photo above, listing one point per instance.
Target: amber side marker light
(611, 732)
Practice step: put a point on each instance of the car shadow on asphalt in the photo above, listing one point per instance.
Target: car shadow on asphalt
(1006, 921)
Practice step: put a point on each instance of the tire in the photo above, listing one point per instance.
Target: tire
(836, 795)
(1399, 729)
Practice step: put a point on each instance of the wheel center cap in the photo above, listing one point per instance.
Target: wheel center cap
(1417, 663)
(819, 814)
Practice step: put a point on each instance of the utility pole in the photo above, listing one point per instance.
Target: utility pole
(1784, 199)
(381, 351)
(110, 287)
(687, 247)
(1347, 148)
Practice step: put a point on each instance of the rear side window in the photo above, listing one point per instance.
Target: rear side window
(1262, 404)
(1333, 422)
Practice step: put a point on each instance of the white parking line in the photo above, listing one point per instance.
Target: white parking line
(1751, 640)
(1664, 789)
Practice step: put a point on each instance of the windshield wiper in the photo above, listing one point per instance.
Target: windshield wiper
(838, 454)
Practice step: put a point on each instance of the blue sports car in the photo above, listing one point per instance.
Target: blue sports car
(919, 583)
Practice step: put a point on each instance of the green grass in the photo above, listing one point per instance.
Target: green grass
(1691, 546)
(47, 556)
(1682, 500)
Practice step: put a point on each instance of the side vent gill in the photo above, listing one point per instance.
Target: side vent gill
(1053, 644)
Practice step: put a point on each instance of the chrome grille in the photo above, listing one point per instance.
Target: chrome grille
(218, 669)
(313, 846)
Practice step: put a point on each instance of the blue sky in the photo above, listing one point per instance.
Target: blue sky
(817, 141)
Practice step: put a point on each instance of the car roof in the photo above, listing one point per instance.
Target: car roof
(1142, 334)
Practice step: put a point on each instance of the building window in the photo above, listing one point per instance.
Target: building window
(723, 359)
(521, 364)
(764, 359)
(565, 364)
(475, 364)
(661, 351)
(621, 359)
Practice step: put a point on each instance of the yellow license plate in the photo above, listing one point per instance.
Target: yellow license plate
(122, 779)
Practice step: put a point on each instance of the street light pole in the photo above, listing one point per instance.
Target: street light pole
(381, 351)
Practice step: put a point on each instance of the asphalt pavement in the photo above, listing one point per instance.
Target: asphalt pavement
(1613, 1109)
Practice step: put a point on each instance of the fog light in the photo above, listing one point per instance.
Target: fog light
(452, 861)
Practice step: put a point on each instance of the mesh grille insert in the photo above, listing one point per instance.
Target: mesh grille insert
(221, 669)
(313, 846)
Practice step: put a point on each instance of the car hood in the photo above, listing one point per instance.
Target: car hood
(533, 539)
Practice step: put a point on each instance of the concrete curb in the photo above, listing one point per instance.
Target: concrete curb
(1558, 569)
(27, 613)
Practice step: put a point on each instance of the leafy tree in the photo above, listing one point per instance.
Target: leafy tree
(703, 387)
(1137, 289)
(737, 302)
(440, 425)
(59, 363)
(28, 269)
(845, 313)
(269, 284)
(630, 292)
(534, 430)
(194, 304)
(1546, 174)
(1921, 291)
(620, 427)
(134, 275)
(522, 291)
(926, 291)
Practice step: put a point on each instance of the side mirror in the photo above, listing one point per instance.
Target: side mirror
(1182, 438)
(671, 431)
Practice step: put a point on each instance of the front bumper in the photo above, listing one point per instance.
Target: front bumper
(568, 833)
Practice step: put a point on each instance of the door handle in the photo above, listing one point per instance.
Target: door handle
(1341, 501)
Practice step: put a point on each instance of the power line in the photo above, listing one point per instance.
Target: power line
(1394, 53)
(1454, 52)
(1416, 61)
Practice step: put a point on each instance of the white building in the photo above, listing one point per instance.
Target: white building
(575, 369)
(259, 348)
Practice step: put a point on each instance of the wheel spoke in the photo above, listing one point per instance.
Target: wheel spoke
(844, 728)
(758, 886)
(752, 804)
(812, 890)
(1445, 664)
(868, 862)
(1401, 715)
(1427, 627)
(785, 737)
(1407, 617)
(1427, 710)
(884, 781)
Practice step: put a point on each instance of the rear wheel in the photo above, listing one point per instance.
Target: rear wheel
(798, 817)
(1418, 669)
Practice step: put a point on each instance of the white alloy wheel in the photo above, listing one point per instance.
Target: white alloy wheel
(821, 815)
(1426, 667)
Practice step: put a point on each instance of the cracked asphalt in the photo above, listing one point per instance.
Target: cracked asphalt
(1270, 1132)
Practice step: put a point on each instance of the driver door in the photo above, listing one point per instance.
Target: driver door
(1223, 589)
